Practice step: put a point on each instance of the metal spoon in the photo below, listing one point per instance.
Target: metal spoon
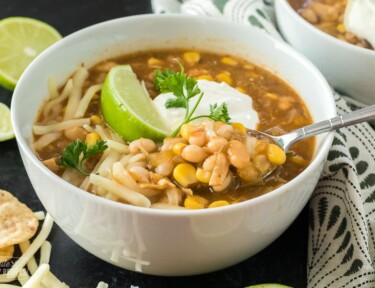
(286, 140)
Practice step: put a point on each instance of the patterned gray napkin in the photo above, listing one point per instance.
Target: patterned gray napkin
(342, 209)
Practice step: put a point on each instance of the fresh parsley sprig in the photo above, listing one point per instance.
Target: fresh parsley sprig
(217, 113)
(184, 88)
(160, 76)
(75, 154)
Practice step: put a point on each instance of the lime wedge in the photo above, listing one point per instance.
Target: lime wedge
(268, 285)
(21, 40)
(128, 109)
(6, 130)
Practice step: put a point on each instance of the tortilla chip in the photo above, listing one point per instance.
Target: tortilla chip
(6, 253)
(17, 221)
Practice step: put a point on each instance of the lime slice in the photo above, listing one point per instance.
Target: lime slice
(21, 40)
(6, 130)
(268, 285)
(128, 108)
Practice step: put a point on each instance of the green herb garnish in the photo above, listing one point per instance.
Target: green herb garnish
(217, 113)
(185, 88)
(160, 76)
(77, 152)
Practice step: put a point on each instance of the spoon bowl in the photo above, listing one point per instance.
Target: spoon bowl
(287, 140)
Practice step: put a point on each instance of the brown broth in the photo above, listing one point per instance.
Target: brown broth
(279, 107)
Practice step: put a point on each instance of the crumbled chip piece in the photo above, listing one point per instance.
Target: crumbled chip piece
(17, 222)
(6, 253)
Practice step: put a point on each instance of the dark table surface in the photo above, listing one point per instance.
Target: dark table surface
(284, 261)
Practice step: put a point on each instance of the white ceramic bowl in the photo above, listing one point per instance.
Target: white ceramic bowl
(348, 68)
(156, 241)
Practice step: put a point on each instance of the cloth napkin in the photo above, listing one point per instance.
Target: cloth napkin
(341, 247)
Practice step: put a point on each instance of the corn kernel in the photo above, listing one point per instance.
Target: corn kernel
(184, 174)
(249, 67)
(224, 77)
(218, 203)
(229, 61)
(95, 119)
(92, 138)
(297, 160)
(271, 96)
(240, 89)
(178, 147)
(195, 202)
(275, 154)
(191, 57)
(185, 131)
(239, 127)
(252, 75)
(205, 77)
(154, 62)
(341, 28)
(203, 175)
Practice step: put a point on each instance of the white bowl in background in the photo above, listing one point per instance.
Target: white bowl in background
(348, 68)
(164, 242)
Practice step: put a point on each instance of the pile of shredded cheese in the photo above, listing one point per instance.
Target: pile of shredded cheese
(27, 271)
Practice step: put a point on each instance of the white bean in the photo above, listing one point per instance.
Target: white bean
(165, 168)
(142, 145)
(249, 174)
(198, 139)
(209, 163)
(217, 144)
(226, 131)
(225, 185)
(194, 153)
(261, 162)
(238, 155)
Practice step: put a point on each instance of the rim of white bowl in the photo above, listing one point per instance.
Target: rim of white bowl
(318, 157)
(293, 13)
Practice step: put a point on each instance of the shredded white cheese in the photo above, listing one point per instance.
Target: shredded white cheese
(29, 253)
(38, 276)
(40, 215)
(31, 265)
(45, 252)
(41, 275)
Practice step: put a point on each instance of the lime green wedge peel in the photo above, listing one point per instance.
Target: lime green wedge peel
(128, 109)
(21, 40)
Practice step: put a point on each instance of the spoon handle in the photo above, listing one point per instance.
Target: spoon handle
(358, 116)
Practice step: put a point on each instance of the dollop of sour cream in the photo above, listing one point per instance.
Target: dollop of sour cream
(240, 106)
(359, 19)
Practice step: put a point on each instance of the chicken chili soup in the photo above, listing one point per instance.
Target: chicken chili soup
(167, 130)
(329, 16)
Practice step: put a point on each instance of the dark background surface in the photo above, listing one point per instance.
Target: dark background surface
(283, 262)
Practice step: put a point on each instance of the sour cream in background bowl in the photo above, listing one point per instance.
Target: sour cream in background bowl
(169, 242)
(348, 68)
